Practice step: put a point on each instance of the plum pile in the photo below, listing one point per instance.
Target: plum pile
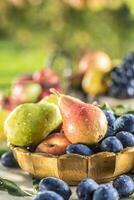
(122, 79)
(88, 189)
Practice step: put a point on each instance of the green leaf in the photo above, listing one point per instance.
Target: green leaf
(36, 184)
(13, 189)
(106, 107)
(121, 109)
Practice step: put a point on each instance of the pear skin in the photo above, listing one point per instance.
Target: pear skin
(93, 82)
(82, 122)
(29, 123)
(3, 116)
(52, 98)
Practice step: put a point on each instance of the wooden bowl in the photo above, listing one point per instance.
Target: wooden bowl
(72, 168)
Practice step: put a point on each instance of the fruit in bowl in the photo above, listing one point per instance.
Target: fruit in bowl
(59, 139)
(82, 122)
(3, 116)
(29, 123)
(54, 144)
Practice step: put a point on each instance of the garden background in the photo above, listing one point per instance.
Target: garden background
(30, 30)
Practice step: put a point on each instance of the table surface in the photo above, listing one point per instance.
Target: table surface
(24, 180)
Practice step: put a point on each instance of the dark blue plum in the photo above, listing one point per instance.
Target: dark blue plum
(48, 195)
(106, 192)
(126, 138)
(111, 120)
(124, 185)
(8, 160)
(96, 148)
(56, 185)
(111, 144)
(125, 123)
(79, 149)
(86, 188)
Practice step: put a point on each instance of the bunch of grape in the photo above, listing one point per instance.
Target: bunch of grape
(122, 79)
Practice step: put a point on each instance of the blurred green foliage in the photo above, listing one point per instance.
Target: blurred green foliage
(28, 33)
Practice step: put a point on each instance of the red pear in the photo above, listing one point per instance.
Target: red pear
(82, 122)
(54, 144)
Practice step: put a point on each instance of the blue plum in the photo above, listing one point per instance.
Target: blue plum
(79, 149)
(8, 160)
(111, 120)
(56, 185)
(126, 138)
(48, 195)
(111, 144)
(124, 185)
(86, 188)
(106, 192)
(125, 123)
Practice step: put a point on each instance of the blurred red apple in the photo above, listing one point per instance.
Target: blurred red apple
(46, 76)
(26, 92)
(54, 144)
(31, 88)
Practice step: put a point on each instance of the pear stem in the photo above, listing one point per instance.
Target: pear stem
(54, 91)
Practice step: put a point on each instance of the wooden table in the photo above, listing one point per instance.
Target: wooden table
(24, 180)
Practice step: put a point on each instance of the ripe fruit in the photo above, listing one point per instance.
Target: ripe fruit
(56, 185)
(28, 124)
(48, 195)
(30, 88)
(52, 98)
(85, 62)
(125, 123)
(106, 192)
(8, 160)
(26, 92)
(98, 64)
(3, 116)
(82, 122)
(54, 144)
(86, 189)
(126, 138)
(96, 148)
(111, 120)
(124, 185)
(79, 149)
(122, 79)
(93, 83)
(46, 77)
(98, 59)
(111, 144)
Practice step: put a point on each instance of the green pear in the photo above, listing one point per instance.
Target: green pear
(52, 98)
(30, 123)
